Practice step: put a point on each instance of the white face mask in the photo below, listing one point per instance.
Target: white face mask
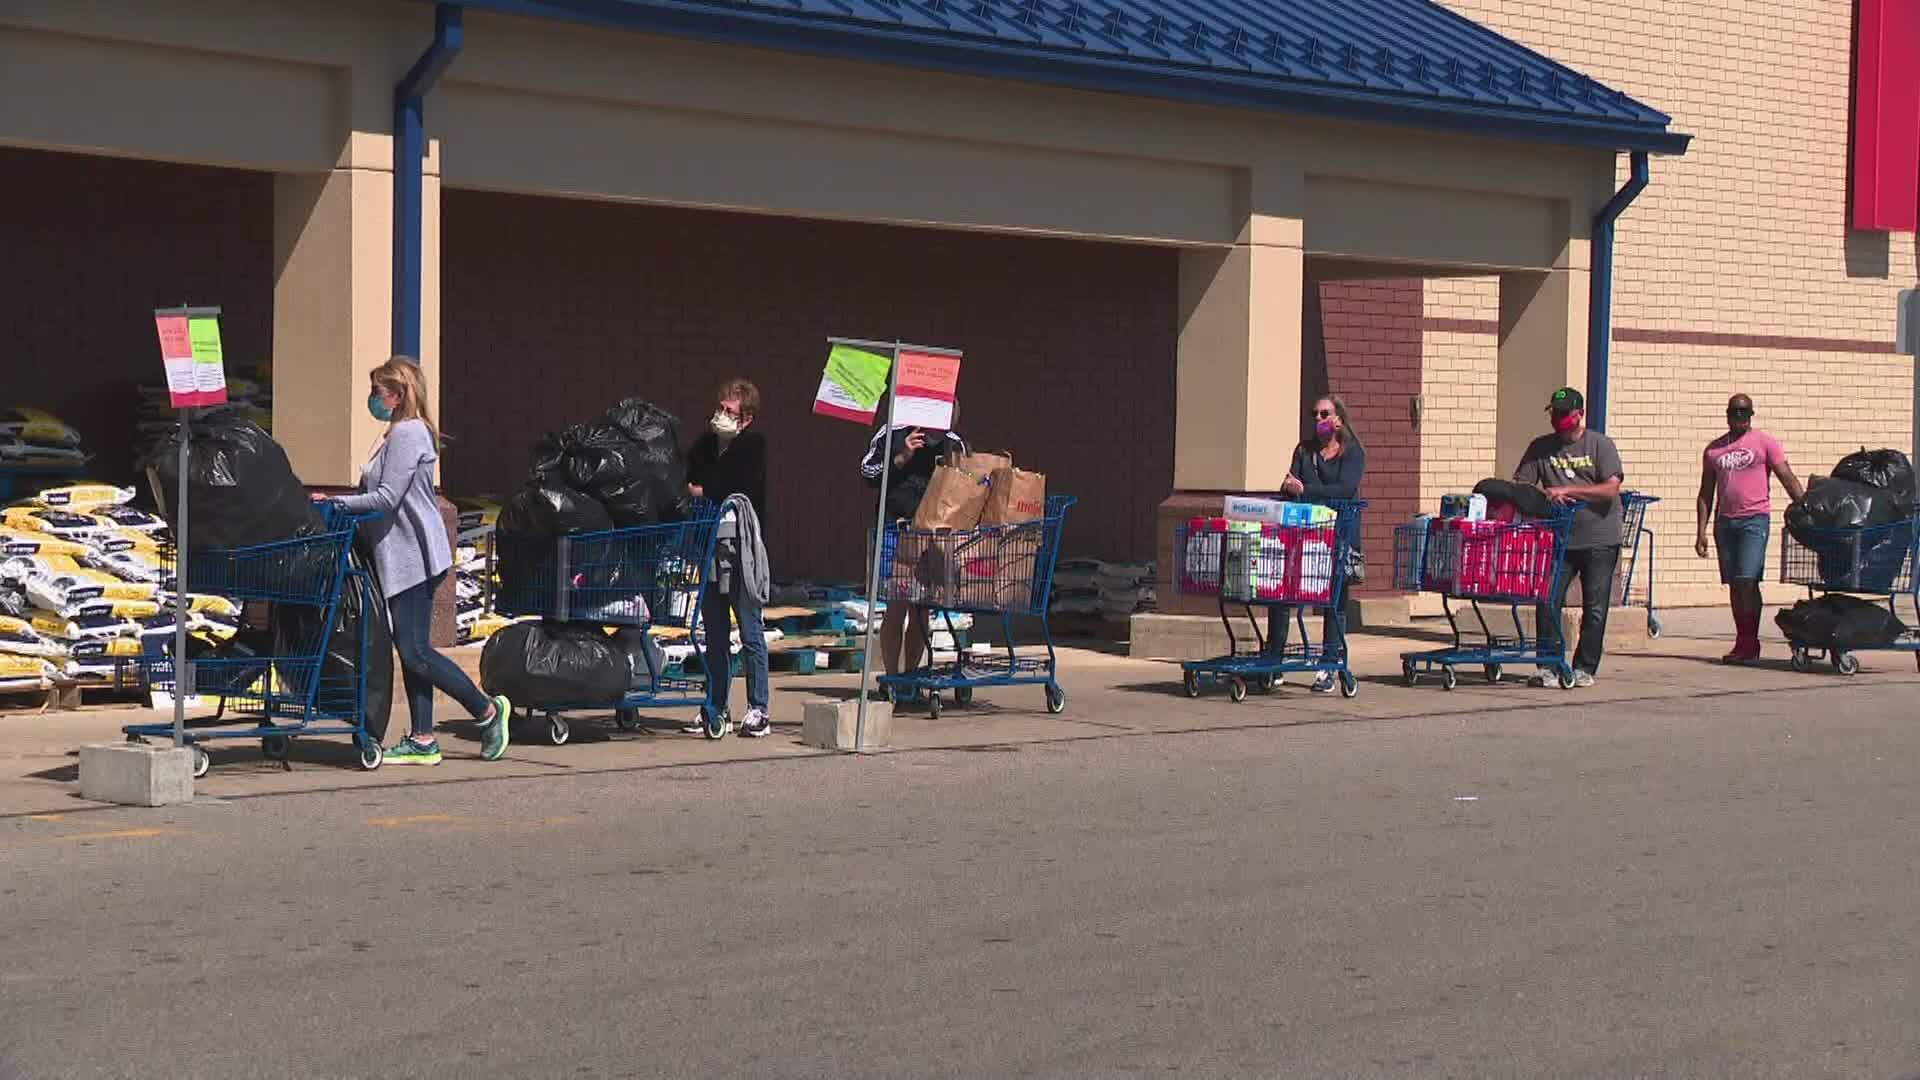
(724, 425)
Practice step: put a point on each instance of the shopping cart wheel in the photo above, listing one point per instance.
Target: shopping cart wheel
(1190, 681)
(1653, 626)
(370, 753)
(1266, 683)
(626, 719)
(963, 696)
(1237, 689)
(1449, 678)
(1056, 699)
(1493, 673)
(558, 730)
(933, 704)
(202, 761)
(1800, 661)
(1408, 673)
(1846, 663)
(713, 722)
(275, 747)
(1349, 686)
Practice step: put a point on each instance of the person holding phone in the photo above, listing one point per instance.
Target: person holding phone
(915, 452)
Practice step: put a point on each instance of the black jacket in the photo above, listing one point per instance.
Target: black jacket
(906, 486)
(741, 470)
(1323, 479)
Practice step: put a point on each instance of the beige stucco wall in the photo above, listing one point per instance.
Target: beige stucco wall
(1744, 235)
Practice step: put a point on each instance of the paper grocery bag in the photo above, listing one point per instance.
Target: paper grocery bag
(1014, 496)
(955, 496)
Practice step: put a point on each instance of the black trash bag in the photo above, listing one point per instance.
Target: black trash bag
(240, 488)
(1841, 504)
(658, 472)
(1888, 470)
(548, 510)
(1526, 500)
(607, 465)
(548, 465)
(550, 665)
(639, 648)
(1837, 621)
(362, 604)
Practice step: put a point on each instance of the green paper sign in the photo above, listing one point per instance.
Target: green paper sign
(861, 374)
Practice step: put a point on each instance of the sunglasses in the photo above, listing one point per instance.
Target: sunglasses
(1323, 414)
(1740, 414)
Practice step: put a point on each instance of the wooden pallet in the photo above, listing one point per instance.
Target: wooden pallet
(63, 695)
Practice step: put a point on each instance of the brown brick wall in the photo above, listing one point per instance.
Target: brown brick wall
(553, 309)
(89, 246)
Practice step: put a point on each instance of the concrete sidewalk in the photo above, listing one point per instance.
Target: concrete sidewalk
(1109, 696)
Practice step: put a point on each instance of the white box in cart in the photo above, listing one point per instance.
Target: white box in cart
(1253, 508)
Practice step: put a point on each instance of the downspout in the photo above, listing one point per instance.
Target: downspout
(1600, 297)
(409, 173)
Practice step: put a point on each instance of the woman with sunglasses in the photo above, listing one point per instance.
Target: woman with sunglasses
(1737, 471)
(1328, 466)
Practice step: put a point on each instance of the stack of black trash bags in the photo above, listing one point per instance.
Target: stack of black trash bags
(626, 469)
(1874, 491)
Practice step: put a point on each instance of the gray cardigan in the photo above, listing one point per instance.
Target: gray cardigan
(409, 537)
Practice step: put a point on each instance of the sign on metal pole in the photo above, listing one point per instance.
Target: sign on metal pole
(196, 376)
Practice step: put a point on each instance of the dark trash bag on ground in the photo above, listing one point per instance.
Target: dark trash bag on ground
(297, 628)
(1526, 500)
(1839, 621)
(548, 665)
(240, 488)
(1888, 470)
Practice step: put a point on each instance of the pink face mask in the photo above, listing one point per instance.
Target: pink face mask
(1324, 429)
(1566, 422)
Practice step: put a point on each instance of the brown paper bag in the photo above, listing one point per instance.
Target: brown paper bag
(955, 496)
(1014, 496)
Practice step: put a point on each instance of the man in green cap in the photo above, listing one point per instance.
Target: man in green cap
(1577, 465)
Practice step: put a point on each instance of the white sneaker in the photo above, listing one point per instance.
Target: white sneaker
(756, 724)
(1581, 678)
(1542, 678)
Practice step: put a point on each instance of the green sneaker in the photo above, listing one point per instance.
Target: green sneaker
(409, 752)
(493, 736)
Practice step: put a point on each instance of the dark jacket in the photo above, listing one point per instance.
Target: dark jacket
(741, 470)
(1323, 479)
(906, 486)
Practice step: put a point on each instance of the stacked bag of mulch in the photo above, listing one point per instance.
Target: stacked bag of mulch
(1858, 522)
(625, 469)
(476, 576)
(83, 583)
(33, 437)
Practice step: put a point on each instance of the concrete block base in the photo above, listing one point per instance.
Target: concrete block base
(136, 774)
(833, 725)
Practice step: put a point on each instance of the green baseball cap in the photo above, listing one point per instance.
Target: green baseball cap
(1566, 400)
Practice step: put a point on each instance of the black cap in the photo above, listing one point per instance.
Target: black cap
(1566, 400)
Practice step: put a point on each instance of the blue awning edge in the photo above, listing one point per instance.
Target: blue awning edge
(1405, 62)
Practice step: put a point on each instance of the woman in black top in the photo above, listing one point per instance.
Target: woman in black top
(915, 453)
(1326, 467)
(730, 460)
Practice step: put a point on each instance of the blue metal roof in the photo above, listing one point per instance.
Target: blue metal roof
(1409, 62)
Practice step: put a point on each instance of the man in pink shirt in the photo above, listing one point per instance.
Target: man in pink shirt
(1737, 470)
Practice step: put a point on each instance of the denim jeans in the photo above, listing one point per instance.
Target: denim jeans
(1595, 567)
(726, 591)
(422, 668)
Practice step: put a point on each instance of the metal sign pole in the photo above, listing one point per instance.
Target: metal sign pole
(181, 681)
(879, 538)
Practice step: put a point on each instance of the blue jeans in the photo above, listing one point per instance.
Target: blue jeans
(1742, 543)
(422, 668)
(727, 592)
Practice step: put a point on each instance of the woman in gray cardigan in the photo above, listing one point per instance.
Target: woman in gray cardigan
(412, 557)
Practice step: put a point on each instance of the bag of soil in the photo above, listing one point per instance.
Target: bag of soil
(240, 488)
(1888, 470)
(550, 665)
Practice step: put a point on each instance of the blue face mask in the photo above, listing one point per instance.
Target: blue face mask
(378, 407)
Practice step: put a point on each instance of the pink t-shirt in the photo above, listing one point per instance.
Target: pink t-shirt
(1744, 468)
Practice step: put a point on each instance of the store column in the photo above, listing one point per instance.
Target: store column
(1543, 346)
(1237, 414)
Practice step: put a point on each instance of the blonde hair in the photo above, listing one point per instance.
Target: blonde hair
(401, 376)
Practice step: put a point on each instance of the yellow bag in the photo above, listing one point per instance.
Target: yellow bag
(22, 542)
(13, 666)
(84, 496)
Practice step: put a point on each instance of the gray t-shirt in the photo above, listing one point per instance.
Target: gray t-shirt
(1551, 461)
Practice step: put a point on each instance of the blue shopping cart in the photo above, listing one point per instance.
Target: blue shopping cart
(1874, 560)
(293, 678)
(1634, 533)
(1508, 563)
(997, 569)
(1290, 569)
(641, 578)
